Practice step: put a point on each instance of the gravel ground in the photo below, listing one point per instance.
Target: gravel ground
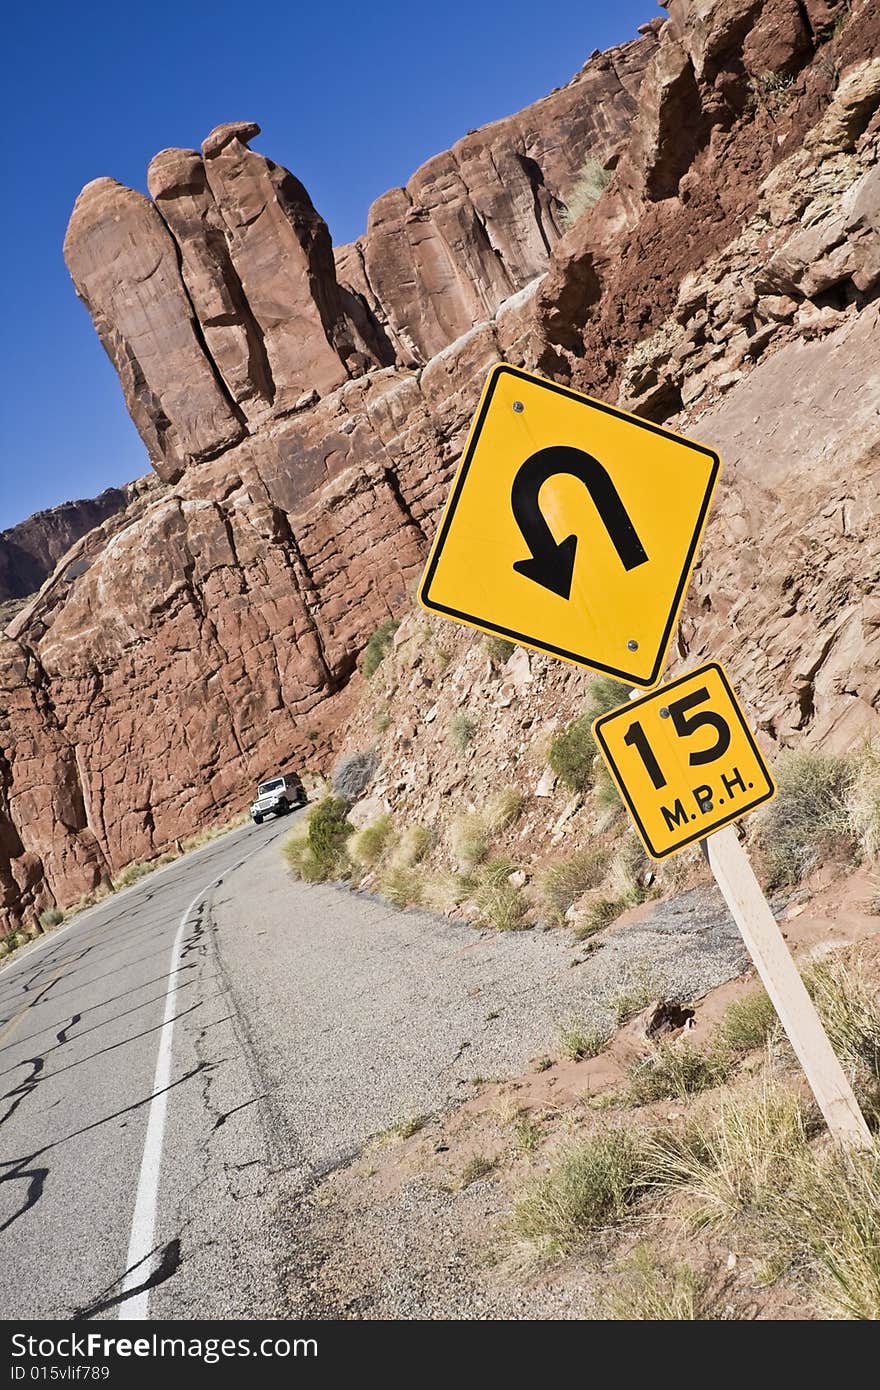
(362, 1015)
(359, 1016)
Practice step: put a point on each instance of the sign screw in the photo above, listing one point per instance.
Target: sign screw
(518, 407)
(664, 712)
(632, 645)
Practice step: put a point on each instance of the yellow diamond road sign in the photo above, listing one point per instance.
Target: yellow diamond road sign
(571, 527)
(684, 760)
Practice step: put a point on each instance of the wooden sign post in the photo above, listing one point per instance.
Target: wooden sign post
(788, 994)
(655, 748)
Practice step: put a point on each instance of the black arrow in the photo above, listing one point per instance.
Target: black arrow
(551, 563)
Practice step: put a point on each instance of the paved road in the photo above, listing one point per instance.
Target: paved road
(179, 1064)
(83, 1015)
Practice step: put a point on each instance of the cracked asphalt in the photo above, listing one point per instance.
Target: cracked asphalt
(306, 1020)
(80, 1017)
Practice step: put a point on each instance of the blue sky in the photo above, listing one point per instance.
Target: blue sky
(351, 96)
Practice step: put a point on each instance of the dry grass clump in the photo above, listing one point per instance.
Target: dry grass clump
(470, 840)
(828, 1222)
(585, 192)
(652, 1291)
(51, 917)
(562, 883)
(594, 1184)
(501, 904)
(675, 1071)
(402, 879)
(503, 809)
(578, 1042)
(809, 819)
(736, 1158)
(750, 1022)
(462, 729)
(370, 844)
(499, 649)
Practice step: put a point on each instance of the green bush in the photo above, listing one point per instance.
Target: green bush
(573, 750)
(329, 828)
(378, 647)
(571, 754)
(809, 817)
(499, 649)
(51, 917)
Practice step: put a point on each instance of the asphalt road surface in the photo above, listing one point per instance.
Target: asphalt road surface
(181, 1063)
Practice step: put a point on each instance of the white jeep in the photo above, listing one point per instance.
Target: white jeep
(277, 797)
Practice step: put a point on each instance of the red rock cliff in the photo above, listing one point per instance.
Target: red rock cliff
(307, 411)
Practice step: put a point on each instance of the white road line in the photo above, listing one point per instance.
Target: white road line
(143, 1226)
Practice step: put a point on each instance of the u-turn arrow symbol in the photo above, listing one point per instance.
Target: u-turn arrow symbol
(551, 563)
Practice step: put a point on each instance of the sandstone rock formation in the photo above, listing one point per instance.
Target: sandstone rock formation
(307, 411)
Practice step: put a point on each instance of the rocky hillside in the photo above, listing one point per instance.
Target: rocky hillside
(30, 551)
(306, 409)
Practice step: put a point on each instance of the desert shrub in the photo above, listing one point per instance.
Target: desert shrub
(503, 808)
(378, 647)
(462, 729)
(353, 774)
(561, 884)
(50, 917)
(585, 192)
(674, 1072)
(382, 722)
(735, 1159)
(578, 1042)
(470, 839)
(750, 1022)
(499, 649)
(373, 841)
(589, 1186)
(571, 754)
(809, 818)
(316, 849)
(772, 91)
(573, 749)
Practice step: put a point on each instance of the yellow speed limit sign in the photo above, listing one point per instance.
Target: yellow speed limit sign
(684, 760)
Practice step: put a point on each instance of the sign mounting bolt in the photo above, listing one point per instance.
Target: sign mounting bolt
(664, 712)
(518, 407)
(632, 645)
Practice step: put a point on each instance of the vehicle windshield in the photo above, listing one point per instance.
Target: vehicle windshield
(275, 786)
